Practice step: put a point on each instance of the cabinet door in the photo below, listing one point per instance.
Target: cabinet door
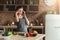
(33, 8)
(19, 1)
(1, 7)
(34, 1)
(1, 1)
(10, 7)
(25, 1)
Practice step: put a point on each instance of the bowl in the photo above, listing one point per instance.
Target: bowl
(34, 34)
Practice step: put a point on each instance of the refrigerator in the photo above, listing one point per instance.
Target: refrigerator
(52, 27)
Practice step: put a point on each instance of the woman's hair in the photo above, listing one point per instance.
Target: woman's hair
(24, 8)
(18, 8)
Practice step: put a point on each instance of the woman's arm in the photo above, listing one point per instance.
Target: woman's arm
(17, 19)
(27, 21)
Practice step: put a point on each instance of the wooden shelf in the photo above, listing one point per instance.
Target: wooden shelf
(7, 11)
(32, 11)
(34, 4)
(27, 4)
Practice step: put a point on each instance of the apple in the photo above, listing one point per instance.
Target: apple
(30, 34)
(9, 33)
(27, 35)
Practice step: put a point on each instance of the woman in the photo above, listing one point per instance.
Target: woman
(21, 20)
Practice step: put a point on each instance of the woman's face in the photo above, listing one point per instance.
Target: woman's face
(20, 11)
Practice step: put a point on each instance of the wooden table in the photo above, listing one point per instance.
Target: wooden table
(18, 37)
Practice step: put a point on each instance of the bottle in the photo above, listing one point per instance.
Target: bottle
(11, 2)
(14, 1)
(6, 2)
(30, 28)
(5, 31)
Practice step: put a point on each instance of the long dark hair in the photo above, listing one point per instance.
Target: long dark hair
(19, 8)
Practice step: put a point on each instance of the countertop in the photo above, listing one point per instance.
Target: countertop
(14, 26)
(18, 37)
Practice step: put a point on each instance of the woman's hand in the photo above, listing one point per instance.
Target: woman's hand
(26, 19)
(16, 13)
(24, 14)
(17, 19)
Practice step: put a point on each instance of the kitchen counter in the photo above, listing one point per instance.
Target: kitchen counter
(14, 26)
(38, 27)
(18, 37)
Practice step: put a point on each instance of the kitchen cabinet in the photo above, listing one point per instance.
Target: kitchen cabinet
(12, 5)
